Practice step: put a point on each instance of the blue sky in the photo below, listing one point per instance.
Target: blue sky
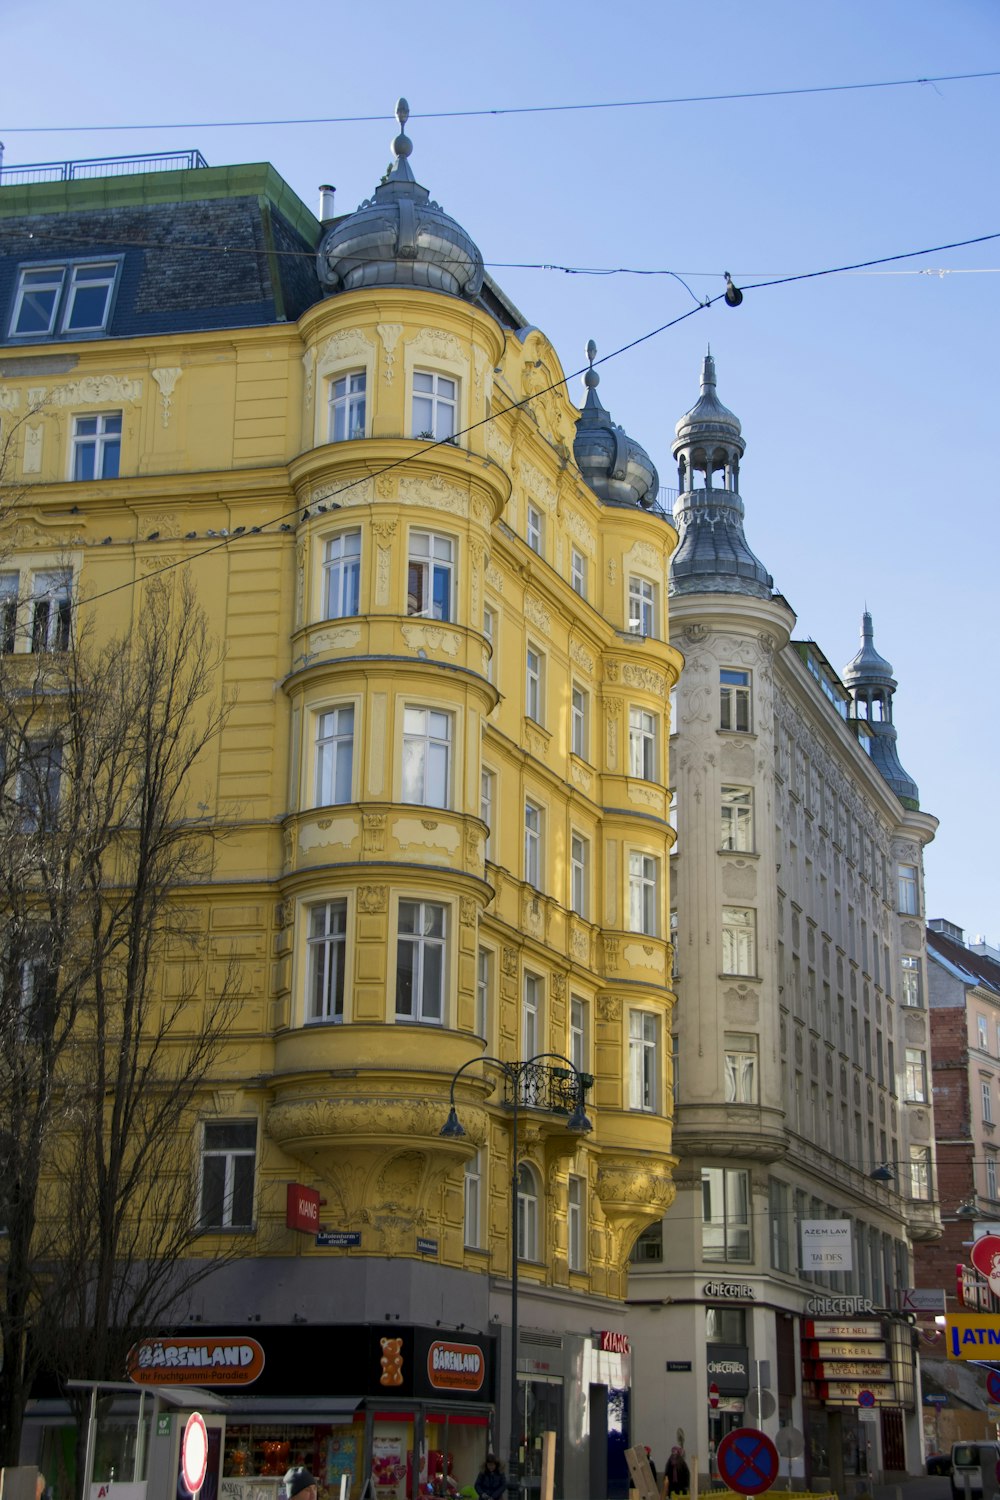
(868, 401)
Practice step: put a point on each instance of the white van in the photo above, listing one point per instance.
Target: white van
(975, 1469)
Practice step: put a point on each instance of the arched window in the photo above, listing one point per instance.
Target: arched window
(527, 1213)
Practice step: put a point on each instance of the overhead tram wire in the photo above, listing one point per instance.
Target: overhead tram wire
(701, 306)
(514, 109)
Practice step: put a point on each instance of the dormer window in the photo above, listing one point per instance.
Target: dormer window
(67, 298)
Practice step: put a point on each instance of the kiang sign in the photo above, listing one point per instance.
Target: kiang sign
(195, 1361)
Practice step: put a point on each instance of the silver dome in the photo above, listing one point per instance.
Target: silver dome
(868, 669)
(708, 419)
(615, 466)
(399, 237)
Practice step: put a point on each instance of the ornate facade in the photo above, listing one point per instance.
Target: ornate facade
(442, 776)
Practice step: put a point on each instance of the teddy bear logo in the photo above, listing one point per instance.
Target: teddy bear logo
(392, 1362)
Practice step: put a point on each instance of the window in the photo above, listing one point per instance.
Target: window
(579, 865)
(527, 1213)
(430, 576)
(578, 572)
(642, 744)
(487, 789)
(97, 443)
(741, 1069)
(674, 929)
(426, 756)
(51, 611)
(908, 902)
(739, 940)
(915, 1076)
(347, 406)
(984, 1039)
(342, 575)
(334, 755)
(534, 685)
(531, 1018)
(782, 1222)
(986, 1089)
(73, 298)
(734, 705)
(533, 844)
(327, 954)
(490, 632)
(725, 1214)
(920, 1173)
(737, 819)
(9, 586)
(473, 1197)
(649, 1245)
(911, 981)
(435, 405)
(420, 962)
(36, 789)
(991, 1175)
(534, 531)
(643, 893)
(579, 722)
(574, 1211)
(578, 1033)
(644, 1060)
(641, 606)
(672, 815)
(484, 977)
(228, 1154)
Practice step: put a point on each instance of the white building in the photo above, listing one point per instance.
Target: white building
(800, 1051)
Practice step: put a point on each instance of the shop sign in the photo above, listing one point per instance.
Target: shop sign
(826, 1245)
(824, 1351)
(920, 1299)
(679, 1366)
(728, 1368)
(824, 1330)
(426, 1247)
(838, 1307)
(302, 1208)
(972, 1336)
(985, 1257)
(852, 1390)
(338, 1239)
(851, 1370)
(610, 1342)
(455, 1367)
(739, 1290)
(195, 1361)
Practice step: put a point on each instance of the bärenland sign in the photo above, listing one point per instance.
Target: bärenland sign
(972, 1336)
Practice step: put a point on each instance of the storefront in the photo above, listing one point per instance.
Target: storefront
(409, 1406)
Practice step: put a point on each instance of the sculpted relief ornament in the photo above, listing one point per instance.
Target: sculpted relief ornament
(89, 390)
(389, 334)
(167, 379)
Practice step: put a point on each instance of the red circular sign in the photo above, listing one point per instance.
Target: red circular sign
(747, 1461)
(993, 1385)
(866, 1398)
(713, 1395)
(194, 1452)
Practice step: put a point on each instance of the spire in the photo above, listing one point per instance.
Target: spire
(713, 556)
(868, 678)
(402, 147)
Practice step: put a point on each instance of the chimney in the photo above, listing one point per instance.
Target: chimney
(326, 193)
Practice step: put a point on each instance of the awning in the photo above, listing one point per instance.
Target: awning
(289, 1408)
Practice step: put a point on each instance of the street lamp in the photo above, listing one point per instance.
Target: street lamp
(554, 1088)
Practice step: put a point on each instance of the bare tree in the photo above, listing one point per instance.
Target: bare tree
(99, 1067)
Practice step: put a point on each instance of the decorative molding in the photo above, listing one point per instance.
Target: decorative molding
(440, 345)
(645, 555)
(609, 1007)
(373, 824)
(430, 637)
(308, 372)
(347, 343)
(167, 378)
(496, 447)
(579, 531)
(538, 486)
(581, 656)
(373, 900)
(89, 390)
(389, 334)
(385, 484)
(494, 577)
(436, 493)
(32, 459)
(10, 399)
(536, 612)
(341, 638)
(347, 495)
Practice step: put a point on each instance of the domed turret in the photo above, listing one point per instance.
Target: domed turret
(712, 556)
(617, 469)
(868, 678)
(400, 238)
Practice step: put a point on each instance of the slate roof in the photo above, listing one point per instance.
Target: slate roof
(968, 967)
(202, 249)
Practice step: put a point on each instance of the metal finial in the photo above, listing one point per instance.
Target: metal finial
(591, 378)
(402, 145)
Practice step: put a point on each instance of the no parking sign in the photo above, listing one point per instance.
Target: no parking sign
(747, 1461)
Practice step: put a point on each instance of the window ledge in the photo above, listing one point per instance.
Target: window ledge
(747, 978)
(226, 1231)
(738, 734)
(739, 853)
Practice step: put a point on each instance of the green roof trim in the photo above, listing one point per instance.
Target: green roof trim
(196, 184)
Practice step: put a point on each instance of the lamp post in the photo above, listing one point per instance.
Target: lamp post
(526, 1082)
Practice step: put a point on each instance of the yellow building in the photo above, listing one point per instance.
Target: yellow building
(441, 593)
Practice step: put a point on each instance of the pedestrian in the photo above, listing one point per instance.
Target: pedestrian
(678, 1474)
(300, 1485)
(491, 1481)
(649, 1460)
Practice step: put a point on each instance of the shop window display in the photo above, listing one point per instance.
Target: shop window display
(265, 1453)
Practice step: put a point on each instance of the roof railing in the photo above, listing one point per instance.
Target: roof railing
(100, 166)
